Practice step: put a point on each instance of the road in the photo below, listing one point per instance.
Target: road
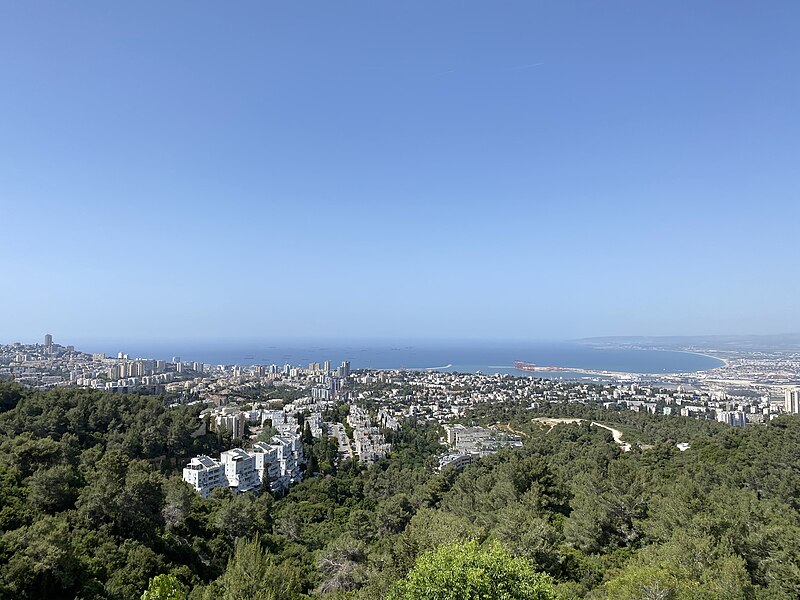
(615, 433)
(345, 451)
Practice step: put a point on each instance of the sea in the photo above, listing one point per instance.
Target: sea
(463, 357)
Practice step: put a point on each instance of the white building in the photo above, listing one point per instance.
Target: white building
(734, 418)
(791, 403)
(233, 420)
(204, 474)
(386, 420)
(240, 470)
(457, 460)
(268, 465)
(289, 450)
(276, 463)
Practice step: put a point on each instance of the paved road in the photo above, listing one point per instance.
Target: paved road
(337, 431)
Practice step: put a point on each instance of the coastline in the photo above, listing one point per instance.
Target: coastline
(619, 362)
(725, 361)
(609, 346)
(623, 374)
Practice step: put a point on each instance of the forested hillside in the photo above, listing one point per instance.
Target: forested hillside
(92, 506)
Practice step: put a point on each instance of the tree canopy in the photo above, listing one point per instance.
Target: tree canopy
(92, 506)
(468, 572)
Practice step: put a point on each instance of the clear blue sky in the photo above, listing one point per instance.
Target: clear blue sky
(452, 169)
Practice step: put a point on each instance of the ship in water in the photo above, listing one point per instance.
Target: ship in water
(521, 365)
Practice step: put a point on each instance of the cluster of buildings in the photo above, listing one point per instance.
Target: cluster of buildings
(749, 389)
(50, 365)
(236, 420)
(273, 465)
(368, 442)
(752, 369)
(433, 396)
(276, 463)
(467, 444)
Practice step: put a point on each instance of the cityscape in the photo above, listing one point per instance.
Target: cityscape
(749, 390)
(399, 300)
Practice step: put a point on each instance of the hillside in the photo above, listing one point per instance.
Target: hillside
(92, 506)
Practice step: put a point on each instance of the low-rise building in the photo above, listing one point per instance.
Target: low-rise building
(457, 460)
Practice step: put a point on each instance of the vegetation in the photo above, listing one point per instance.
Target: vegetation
(467, 572)
(92, 506)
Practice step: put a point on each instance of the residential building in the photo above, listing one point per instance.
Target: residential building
(205, 474)
(240, 470)
(792, 401)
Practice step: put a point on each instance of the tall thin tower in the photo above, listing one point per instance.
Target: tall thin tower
(791, 402)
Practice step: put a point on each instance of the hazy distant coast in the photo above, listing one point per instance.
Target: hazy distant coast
(699, 344)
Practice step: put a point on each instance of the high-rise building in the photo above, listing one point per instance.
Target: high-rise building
(344, 369)
(48, 341)
(791, 403)
(326, 366)
(734, 418)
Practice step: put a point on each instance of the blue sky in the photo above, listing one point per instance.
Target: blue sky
(515, 170)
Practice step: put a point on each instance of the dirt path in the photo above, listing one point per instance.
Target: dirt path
(507, 427)
(615, 433)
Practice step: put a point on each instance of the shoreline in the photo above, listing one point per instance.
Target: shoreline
(725, 361)
(617, 374)
(299, 357)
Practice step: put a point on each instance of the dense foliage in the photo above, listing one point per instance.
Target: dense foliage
(467, 572)
(92, 506)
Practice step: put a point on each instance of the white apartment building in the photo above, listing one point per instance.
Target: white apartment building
(286, 424)
(240, 470)
(289, 451)
(457, 460)
(204, 474)
(233, 420)
(277, 462)
(791, 403)
(735, 418)
(268, 465)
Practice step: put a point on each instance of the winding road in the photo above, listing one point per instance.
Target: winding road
(615, 433)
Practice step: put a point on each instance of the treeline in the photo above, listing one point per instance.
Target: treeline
(91, 506)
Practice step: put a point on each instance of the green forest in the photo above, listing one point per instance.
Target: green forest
(92, 505)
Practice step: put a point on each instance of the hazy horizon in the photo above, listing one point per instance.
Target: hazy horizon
(306, 342)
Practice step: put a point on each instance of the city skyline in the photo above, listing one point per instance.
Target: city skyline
(448, 171)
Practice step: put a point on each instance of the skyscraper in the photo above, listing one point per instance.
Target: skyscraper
(48, 342)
